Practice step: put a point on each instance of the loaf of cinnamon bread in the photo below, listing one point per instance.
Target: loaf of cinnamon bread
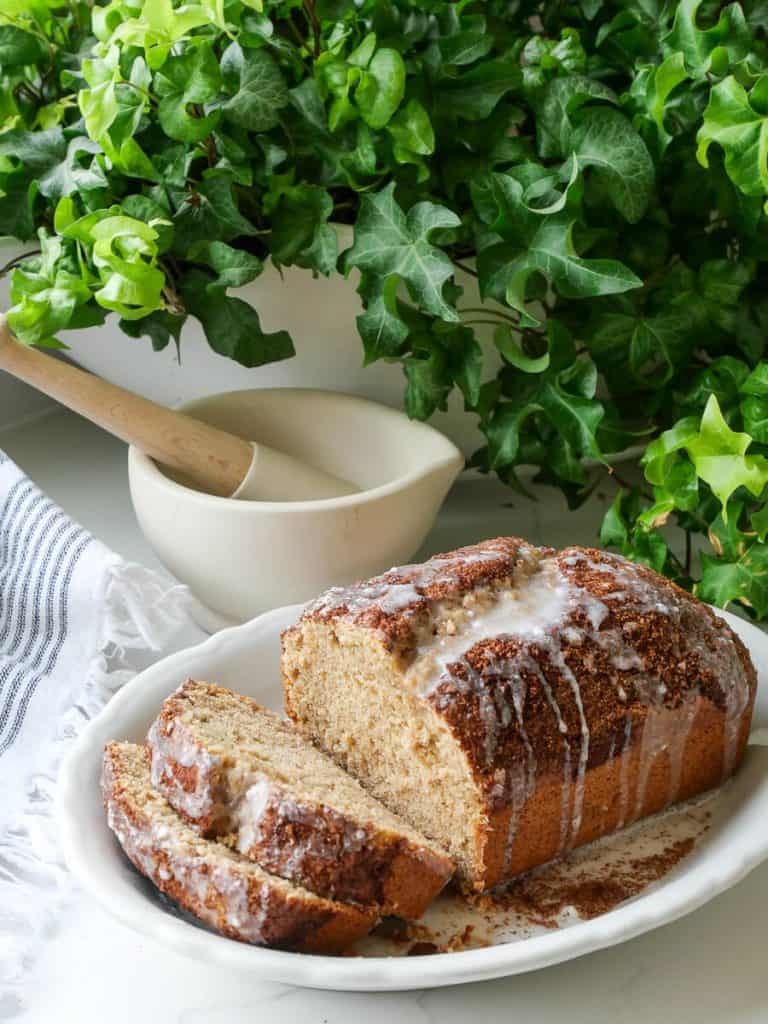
(239, 772)
(513, 702)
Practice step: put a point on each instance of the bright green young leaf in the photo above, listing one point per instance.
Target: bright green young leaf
(381, 88)
(744, 581)
(719, 455)
(726, 42)
(412, 135)
(664, 79)
(741, 131)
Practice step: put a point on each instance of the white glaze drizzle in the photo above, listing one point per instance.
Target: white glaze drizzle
(537, 605)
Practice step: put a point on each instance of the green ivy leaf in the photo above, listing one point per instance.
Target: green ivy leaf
(719, 455)
(412, 136)
(744, 581)
(429, 383)
(45, 292)
(161, 327)
(604, 139)
(73, 173)
(663, 80)
(184, 83)
(209, 214)
(388, 242)
(731, 121)
(725, 43)
(509, 346)
(575, 416)
(380, 326)
(233, 267)
(504, 431)
(256, 86)
(301, 233)
(466, 40)
(559, 101)
(18, 47)
(381, 88)
(474, 94)
(232, 327)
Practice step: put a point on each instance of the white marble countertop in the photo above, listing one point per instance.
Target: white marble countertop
(708, 967)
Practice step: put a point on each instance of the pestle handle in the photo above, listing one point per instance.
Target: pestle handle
(212, 459)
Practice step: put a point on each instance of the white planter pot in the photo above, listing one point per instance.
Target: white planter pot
(319, 313)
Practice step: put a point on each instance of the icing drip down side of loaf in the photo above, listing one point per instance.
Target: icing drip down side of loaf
(484, 630)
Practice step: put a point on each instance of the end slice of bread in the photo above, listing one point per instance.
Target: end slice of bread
(237, 771)
(233, 895)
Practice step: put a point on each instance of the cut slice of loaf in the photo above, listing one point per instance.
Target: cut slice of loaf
(233, 895)
(235, 770)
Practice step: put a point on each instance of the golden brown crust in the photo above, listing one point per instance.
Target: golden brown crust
(611, 792)
(625, 652)
(236, 898)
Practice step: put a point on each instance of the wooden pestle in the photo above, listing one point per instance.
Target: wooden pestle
(212, 459)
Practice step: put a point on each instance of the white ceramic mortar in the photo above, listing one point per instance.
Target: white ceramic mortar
(241, 558)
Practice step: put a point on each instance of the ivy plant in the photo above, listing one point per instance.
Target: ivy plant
(600, 167)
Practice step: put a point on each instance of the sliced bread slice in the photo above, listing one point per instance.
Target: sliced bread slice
(233, 895)
(235, 770)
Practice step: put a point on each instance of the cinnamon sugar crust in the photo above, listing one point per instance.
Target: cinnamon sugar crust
(542, 666)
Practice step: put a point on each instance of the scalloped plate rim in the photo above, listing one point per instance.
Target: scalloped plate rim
(78, 807)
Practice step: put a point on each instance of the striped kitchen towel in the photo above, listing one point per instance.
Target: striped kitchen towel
(76, 622)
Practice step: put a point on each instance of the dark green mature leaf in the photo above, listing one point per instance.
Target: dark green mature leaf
(256, 87)
(387, 242)
(233, 267)
(604, 139)
(301, 233)
(429, 383)
(231, 326)
(474, 94)
(466, 41)
(209, 214)
(160, 327)
(504, 431)
(36, 152)
(18, 47)
(560, 100)
(184, 83)
(380, 326)
(78, 171)
(16, 206)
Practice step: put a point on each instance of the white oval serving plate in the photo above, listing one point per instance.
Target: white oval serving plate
(246, 659)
